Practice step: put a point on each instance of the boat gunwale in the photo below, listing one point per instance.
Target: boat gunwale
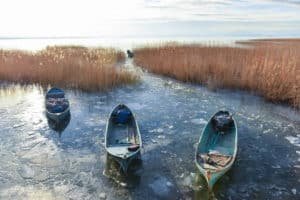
(58, 113)
(137, 129)
(227, 167)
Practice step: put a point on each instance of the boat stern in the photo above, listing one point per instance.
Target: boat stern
(210, 180)
(212, 177)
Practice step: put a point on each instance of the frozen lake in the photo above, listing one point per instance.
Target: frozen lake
(38, 162)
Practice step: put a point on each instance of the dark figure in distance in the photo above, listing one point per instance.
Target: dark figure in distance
(129, 54)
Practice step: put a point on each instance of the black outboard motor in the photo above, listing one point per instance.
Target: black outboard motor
(222, 121)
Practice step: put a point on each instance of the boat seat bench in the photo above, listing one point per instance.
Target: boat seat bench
(214, 160)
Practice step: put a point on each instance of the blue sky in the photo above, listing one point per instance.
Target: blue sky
(46, 18)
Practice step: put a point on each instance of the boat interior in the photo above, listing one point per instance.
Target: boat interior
(216, 149)
(56, 101)
(122, 136)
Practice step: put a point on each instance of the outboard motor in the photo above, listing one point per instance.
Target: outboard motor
(222, 121)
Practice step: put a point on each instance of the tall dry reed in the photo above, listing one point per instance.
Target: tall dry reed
(77, 67)
(268, 67)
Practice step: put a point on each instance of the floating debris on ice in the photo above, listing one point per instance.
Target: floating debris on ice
(187, 181)
(102, 195)
(294, 140)
(36, 122)
(18, 125)
(98, 129)
(276, 188)
(190, 181)
(159, 130)
(153, 141)
(26, 172)
(267, 131)
(123, 184)
(294, 191)
(199, 121)
(161, 137)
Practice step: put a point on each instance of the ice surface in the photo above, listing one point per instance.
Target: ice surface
(40, 162)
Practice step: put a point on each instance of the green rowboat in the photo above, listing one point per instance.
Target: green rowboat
(217, 147)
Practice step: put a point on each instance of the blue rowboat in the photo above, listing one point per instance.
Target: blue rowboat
(217, 147)
(57, 106)
(122, 136)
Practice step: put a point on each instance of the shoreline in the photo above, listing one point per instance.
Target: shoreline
(120, 43)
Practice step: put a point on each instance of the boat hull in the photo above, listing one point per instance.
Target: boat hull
(125, 162)
(123, 154)
(58, 116)
(211, 177)
(210, 140)
(56, 93)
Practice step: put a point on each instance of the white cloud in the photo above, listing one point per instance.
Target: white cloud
(106, 17)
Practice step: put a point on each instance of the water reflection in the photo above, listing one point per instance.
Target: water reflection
(59, 125)
(201, 191)
(131, 179)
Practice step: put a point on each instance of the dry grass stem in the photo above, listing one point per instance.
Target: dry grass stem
(89, 69)
(270, 68)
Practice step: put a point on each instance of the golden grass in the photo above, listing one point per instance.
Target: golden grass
(270, 68)
(89, 69)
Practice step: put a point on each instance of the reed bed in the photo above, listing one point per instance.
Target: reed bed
(270, 68)
(88, 69)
